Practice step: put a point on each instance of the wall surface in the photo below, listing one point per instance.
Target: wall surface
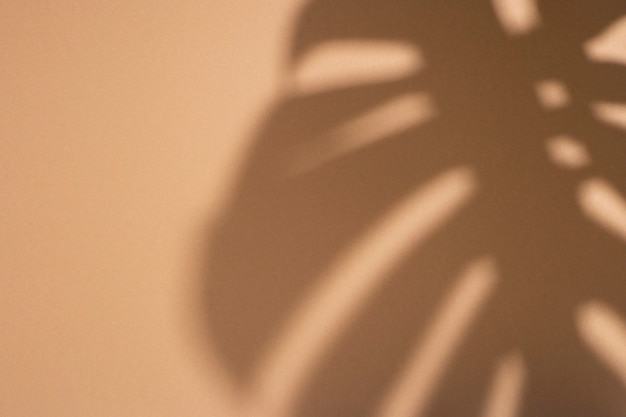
(122, 124)
(166, 249)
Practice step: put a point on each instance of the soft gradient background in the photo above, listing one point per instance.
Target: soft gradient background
(123, 127)
(122, 124)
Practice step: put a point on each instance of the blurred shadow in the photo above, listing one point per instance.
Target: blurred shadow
(284, 226)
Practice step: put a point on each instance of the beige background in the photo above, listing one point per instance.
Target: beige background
(121, 125)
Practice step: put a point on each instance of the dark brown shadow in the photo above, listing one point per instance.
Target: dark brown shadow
(282, 229)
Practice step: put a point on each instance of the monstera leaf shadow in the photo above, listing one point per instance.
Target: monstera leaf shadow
(284, 226)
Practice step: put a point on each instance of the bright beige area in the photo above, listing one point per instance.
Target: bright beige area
(122, 123)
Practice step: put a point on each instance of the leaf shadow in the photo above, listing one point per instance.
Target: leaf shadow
(283, 228)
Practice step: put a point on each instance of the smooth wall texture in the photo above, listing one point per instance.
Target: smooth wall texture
(275, 209)
(121, 127)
